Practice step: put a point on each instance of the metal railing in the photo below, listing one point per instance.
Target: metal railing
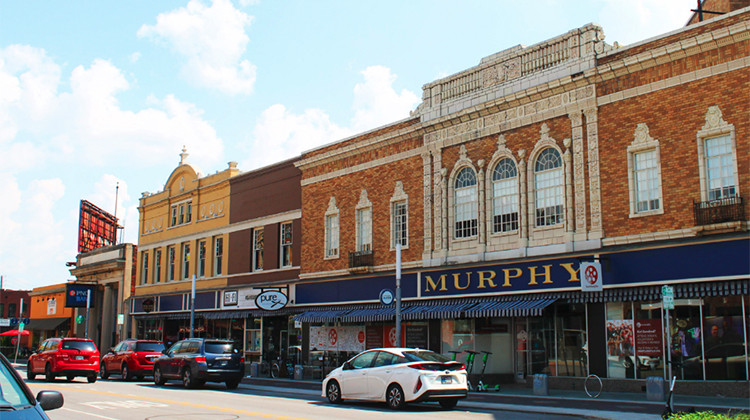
(361, 259)
(719, 211)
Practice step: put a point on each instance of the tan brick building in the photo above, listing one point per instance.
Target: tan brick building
(522, 181)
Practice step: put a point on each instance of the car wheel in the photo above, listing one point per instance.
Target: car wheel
(48, 375)
(448, 403)
(126, 376)
(394, 396)
(333, 392)
(30, 375)
(104, 372)
(158, 379)
(92, 378)
(233, 384)
(70, 378)
(187, 378)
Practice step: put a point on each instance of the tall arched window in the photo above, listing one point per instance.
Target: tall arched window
(505, 196)
(466, 203)
(549, 188)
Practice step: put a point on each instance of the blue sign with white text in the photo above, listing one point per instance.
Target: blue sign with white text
(75, 295)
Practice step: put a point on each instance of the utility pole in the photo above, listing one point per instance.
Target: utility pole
(398, 294)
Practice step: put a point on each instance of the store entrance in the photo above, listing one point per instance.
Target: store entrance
(275, 342)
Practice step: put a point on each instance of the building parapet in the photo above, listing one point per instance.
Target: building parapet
(512, 70)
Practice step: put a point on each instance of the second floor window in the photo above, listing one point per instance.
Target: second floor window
(645, 173)
(201, 259)
(364, 229)
(181, 214)
(332, 236)
(400, 223)
(218, 254)
(548, 187)
(185, 261)
(157, 266)
(171, 263)
(719, 171)
(286, 244)
(257, 249)
(466, 204)
(144, 268)
(505, 197)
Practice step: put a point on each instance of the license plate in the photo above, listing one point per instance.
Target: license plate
(223, 363)
(78, 358)
(446, 379)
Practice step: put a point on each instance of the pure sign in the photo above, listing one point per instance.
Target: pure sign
(271, 300)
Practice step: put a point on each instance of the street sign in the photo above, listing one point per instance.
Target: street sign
(4, 322)
(79, 319)
(667, 297)
(20, 326)
(120, 319)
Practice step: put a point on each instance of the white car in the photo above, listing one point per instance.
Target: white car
(398, 376)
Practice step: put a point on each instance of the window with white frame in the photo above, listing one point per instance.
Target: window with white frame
(286, 244)
(332, 230)
(144, 267)
(257, 249)
(171, 264)
(549, 188)
(364, 229)
(332, 236)
(157, 266)
(720, 177)
(218, 254)
(201, 268)
(181, 213)
(466, 206)
(400, 222)
(644, 173)
(505, 196)
(185, 261)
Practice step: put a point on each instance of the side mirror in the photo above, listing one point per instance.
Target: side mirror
(165, 351)
(49, 400)
(112, 350)
(347, 366)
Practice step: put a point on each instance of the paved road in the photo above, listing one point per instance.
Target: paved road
(118, 400)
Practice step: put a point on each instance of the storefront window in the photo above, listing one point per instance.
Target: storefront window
(457, 335)
(541, 344)
(685, 339)
(724, 341)
(149, 329)
(620, 340)
(493, 335)
(570, 330)
(253, 340)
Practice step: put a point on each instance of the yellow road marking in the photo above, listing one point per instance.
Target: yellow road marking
(161, 400)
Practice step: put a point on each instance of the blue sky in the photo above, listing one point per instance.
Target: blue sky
(97, 93)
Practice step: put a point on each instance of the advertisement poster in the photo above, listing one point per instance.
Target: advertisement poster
(346, 338)
(648, 337)
(620, 339)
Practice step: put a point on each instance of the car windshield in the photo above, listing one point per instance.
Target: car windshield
(219, 347)
(78, 345)
(425, 356)
(146, 346)
(11, 392)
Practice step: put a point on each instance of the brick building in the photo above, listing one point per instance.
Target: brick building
(522, 181)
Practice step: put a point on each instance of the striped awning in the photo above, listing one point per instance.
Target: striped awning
(500, 308)
(383, 313)
(435, 310)
(326, 315)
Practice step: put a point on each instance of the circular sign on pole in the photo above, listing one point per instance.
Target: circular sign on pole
(386, 297)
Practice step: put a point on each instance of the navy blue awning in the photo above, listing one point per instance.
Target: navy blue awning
(327, 315)
(435, 310)
(383, 313)
(509, 308)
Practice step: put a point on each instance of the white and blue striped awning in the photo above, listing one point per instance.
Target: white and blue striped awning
(494, 308)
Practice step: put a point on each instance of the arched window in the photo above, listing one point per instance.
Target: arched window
(549, 188)
(466, 203)
(505, 196)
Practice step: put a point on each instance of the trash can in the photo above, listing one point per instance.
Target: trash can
(655, 388)
(299, 372)
(541, 387)
(254, 369)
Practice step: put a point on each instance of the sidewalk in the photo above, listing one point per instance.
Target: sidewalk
(564, 402)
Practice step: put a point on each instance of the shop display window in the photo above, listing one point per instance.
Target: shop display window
(570, 357)
(725, 350)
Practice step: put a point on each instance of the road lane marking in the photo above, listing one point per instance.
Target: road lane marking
(186, 404)
(88, 414)
(113, 405)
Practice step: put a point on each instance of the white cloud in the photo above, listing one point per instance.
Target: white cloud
(87, 123)
(212, 40)
(281, 134)
(637, 20)
(376, 102)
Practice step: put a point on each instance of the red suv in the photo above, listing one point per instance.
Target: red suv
(67, 356)
(131, 358)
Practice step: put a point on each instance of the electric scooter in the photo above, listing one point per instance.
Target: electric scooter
(481, 386)
(470, 367)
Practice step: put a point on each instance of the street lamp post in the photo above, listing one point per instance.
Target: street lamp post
(398, 294)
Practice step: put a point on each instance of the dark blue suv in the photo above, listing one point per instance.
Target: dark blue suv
(196, 361)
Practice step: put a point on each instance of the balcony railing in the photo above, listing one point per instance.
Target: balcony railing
(719, 211)
(361, 259)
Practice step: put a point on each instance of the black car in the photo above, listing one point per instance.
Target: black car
(16, 400)
(199, 360)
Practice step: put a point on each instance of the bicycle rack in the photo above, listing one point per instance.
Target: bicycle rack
(586, 386)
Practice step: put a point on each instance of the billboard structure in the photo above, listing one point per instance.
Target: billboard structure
(96, 228)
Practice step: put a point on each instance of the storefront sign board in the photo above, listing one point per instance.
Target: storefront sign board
(648, 337)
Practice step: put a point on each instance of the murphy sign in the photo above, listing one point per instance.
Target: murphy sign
(537, 276)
